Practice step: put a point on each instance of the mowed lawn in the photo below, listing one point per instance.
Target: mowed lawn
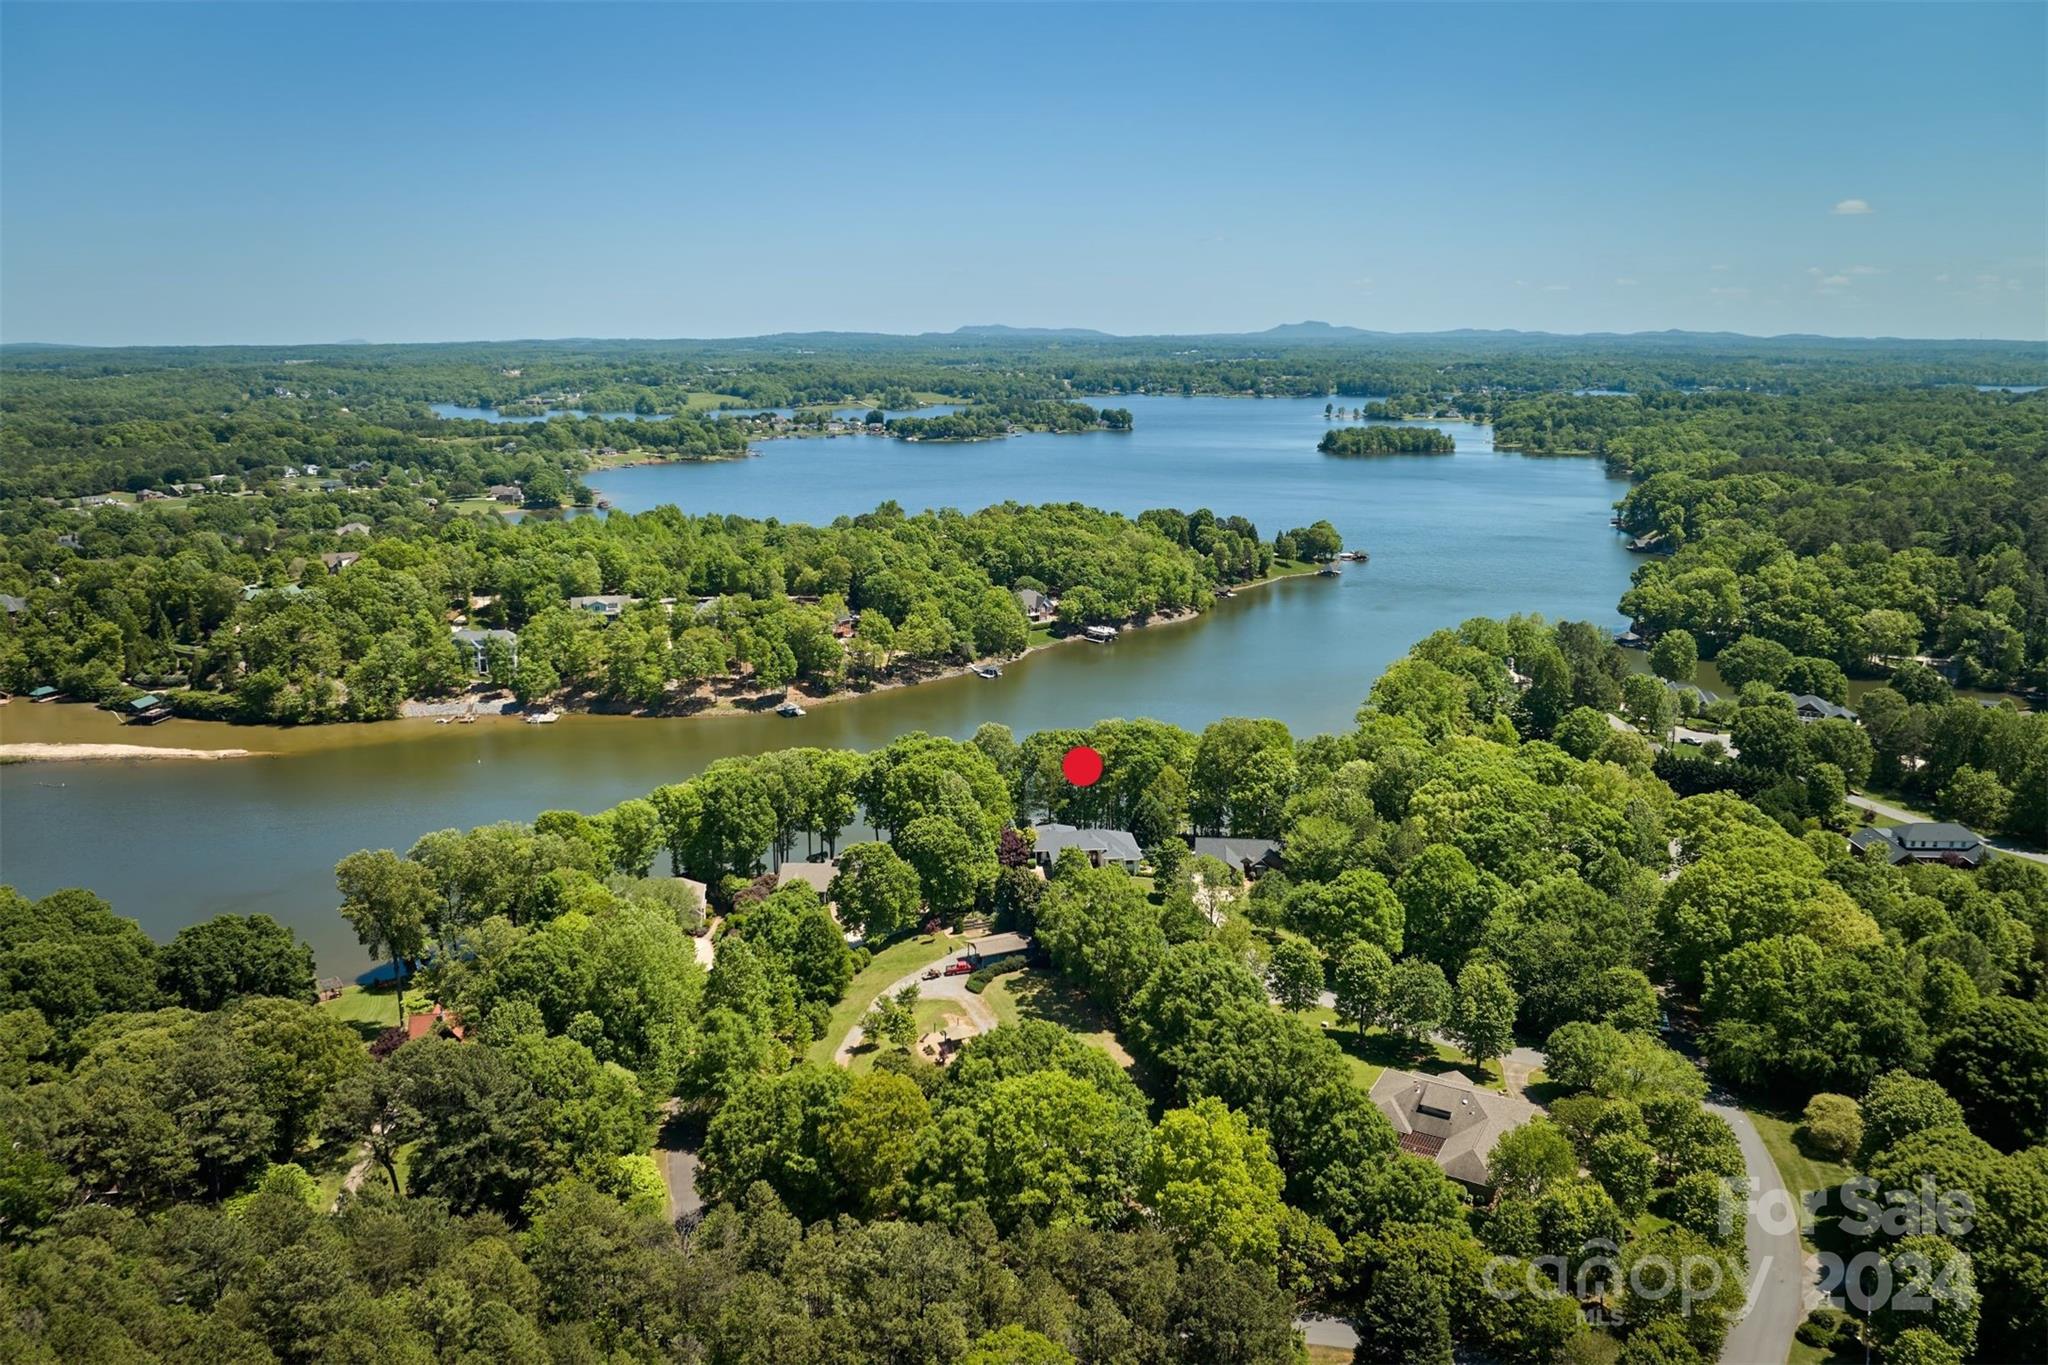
(1378, 1050)
(884, 969)
(372, 1009)
(1802, 1170)
(1038, 994)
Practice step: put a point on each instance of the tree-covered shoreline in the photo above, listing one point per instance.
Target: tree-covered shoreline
(655, 610)
(989, 421)
(1483, 855)
(1865, 527)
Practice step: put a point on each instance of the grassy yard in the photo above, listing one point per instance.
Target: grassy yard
(706, 402)
(480, 505)
(1802, 1354)
(1291, 568)
(372, 1009)
(1035, 994)
(1378, 1050)
(1801, 1169)
(897, 960)
(1909, 804)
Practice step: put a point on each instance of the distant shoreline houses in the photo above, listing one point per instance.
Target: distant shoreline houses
(1104, 847)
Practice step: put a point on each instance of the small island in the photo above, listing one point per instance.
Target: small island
(1357, 441)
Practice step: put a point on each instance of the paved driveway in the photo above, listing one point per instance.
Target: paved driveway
(1778, 1275)
(951, 989)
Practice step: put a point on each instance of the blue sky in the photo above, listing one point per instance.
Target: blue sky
(283, 173)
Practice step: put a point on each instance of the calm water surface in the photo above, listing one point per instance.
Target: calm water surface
(1476, 533)
(456, 410)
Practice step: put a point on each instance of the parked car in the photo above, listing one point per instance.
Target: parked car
(959, 966)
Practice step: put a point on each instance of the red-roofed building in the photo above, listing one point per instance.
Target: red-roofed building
(439, 1022)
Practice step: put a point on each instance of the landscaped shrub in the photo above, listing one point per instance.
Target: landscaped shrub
(1825, 1327)
(978, 982)
(1832, 1124)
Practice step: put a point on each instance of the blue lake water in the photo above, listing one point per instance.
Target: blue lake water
(1473, 533)
(458, 412)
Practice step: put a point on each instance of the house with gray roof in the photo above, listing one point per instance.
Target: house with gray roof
(1449, 1120)
(1102, 846)
(478, 643)
(1925, 841)
(1685, 691)
(995, 947)
(607, 605)
(1250, 856)
(1811, 707)
(1037, 606)
(817, 876)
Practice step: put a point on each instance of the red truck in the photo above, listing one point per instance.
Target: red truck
(959, 966)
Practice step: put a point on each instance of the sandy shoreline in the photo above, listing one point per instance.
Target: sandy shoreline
(77, 753)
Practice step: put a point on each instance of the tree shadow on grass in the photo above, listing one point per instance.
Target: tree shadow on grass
(372, 1010)
(1040, 995)
(1043, 997)
(1392, 1053)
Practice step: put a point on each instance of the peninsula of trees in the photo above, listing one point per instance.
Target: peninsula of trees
(1387, 440)
(271, 609)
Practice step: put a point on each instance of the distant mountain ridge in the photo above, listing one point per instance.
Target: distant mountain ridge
(1309, 332)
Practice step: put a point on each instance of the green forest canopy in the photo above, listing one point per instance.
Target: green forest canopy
(166, 1107)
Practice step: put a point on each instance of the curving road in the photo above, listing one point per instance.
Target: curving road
(952, 989)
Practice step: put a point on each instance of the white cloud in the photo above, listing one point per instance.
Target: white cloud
(1829, 282)
(1556, 288)
(1852, 207)
(1730, 291)
(1626, 283)
(1941, 278)
(1721, 269)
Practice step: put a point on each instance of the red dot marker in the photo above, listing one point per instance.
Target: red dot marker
(1082, 765)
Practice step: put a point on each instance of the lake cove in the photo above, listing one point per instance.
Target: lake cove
(1477, 533)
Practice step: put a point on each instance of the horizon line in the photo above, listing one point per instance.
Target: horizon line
(1308, 330)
